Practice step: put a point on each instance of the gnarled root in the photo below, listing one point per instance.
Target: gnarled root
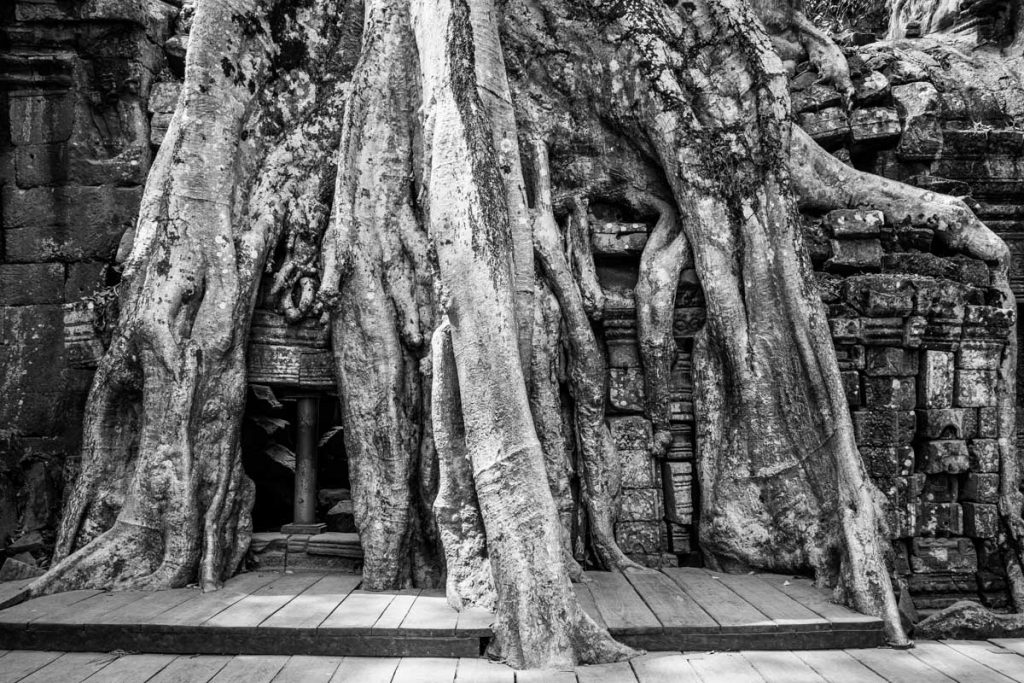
(824, 182)
(665, 256)
(548, 418)
(587, 376)
(456, 508)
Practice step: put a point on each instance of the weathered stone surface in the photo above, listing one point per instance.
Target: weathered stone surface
(680, 508)
(39, 119)
(623, 353)
(341, 517)
(979, 355)
(871, 89)
(887, 462)
(816, 97)
(86, 208)
(980, 520)
(688, 321)
(26, 543)
(828, 126)
(881, 296)
(890, 392)
(942, 423)
(890, 362)
(939, 518)
(935, 381)
(988, 423)
(922, 135)
(36, 165)
(937, 488)
(980, 488)
(855, 254)
(851, 385)
(852, 223)
(637, 468)
(943, 555)
(619, 243)
(639, 537)
(14, 570)
(640, 505)
(163, 97)
(874, 125)
(883, 427)
(976, 388)
(31, 283)
(949, 457)
(626, 389)
(984, 455)
(631, 432)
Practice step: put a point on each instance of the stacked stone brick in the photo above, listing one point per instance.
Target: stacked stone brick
(74, 154)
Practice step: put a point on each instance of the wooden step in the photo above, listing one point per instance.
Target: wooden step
(327, 614)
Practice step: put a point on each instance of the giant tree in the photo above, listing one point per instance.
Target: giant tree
(442, 155)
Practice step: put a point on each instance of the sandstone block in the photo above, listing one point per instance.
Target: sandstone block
(984, 455)
(935, 381)
(980, 355)
(981, 488)
(816, 97)
(941, 423)
(688, 321)
(31, 283)
(854, 255)
(852, 223)
(937, 457)
(626, 389)
(976, 388)
(623, 353)
(890, 362)
(874, 125)
(988, 423)
(44, 164)
(980, 520)
(939, 518)
(41, 119)
(943, 555)
(938, 488)
(637, 468)
(828, 127)
(851, 385)
(631, 432)
(890, 392)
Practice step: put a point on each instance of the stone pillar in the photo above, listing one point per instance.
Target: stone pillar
(304, 510)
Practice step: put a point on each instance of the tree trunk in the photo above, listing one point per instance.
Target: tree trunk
(679, 113)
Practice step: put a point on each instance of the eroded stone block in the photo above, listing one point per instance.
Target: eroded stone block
(888, 361)
(980, 520)
(976, 388)
(937, 457)
(935, 381)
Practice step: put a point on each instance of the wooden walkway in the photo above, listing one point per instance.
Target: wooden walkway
(945, 662)
(326, 614)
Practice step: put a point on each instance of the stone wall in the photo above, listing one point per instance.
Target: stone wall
(74, 154)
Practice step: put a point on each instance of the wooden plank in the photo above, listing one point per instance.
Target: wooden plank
(1011, 644)
(781, 666)
(804, 592)
(91, 609)
(71, 667)
(154, 604)
(425, 670)
(723, 666)
(475, 670)
(662, 667)
(956, 665)
(20, 663)
(474, 621)
(897, 666)
(996, 658)
(206, 605)
(10, 592)
(728, 609)
(37, 608)
(132, 669)
(430, 614)
(253, 609)
(622, 608)
(302, 669)
(619, 672)
(672, 607)
(773, 603)
(836, 666)
(396, 611)
(312, 606)
(250, 669)
(194, 669)
(545, 676)
(358, 612)
(586, 598)
(366, 670)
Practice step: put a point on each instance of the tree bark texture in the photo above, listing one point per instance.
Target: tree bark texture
(465, 311)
